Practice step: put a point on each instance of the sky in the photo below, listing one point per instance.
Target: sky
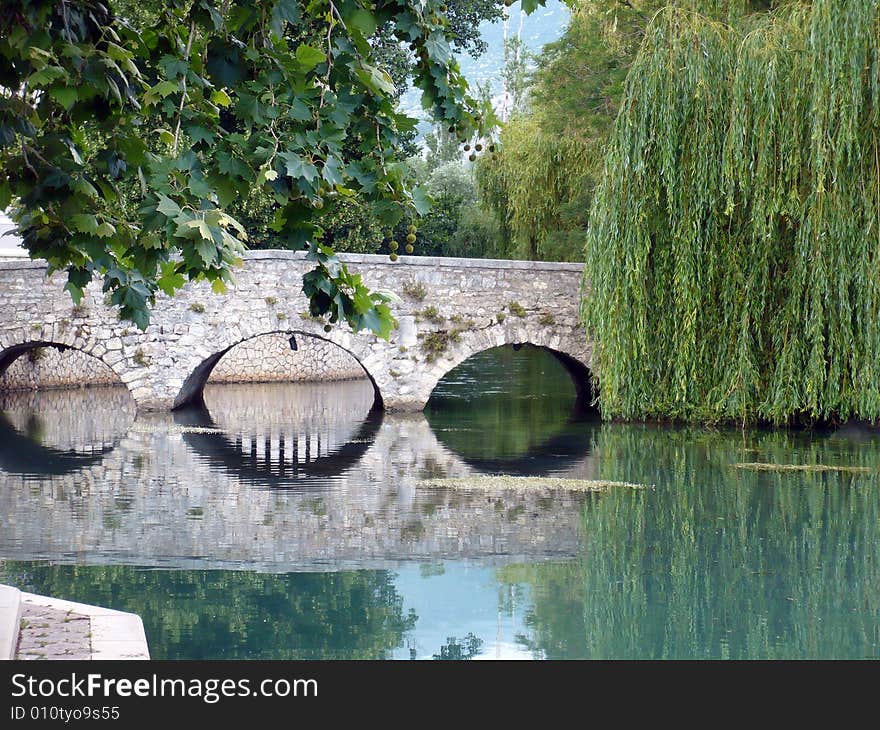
(543, 26)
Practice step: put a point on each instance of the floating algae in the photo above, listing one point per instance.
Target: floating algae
(528, 484)
(762, 466)
(144, 428)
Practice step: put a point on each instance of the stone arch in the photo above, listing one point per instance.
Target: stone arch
(191, 392)
(19, 343)
(571, 349)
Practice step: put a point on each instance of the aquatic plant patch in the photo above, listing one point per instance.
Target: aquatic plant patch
(762, 466)
(531, 484)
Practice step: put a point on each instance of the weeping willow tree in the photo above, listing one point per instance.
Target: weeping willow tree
(733, 253)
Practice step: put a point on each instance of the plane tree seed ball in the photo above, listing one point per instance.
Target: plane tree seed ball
(411, 238)
(393, 257)
(409, 248)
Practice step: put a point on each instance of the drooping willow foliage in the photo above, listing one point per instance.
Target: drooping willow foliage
(734, 250)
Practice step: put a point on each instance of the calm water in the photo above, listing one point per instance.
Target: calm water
(290, 522)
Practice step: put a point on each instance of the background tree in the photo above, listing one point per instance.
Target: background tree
(541, 183)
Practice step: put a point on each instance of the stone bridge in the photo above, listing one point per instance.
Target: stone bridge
(448, 310)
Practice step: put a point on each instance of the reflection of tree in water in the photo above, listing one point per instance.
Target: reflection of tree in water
(238, 614)
(717, 562)
(474, 406)
(455, 650)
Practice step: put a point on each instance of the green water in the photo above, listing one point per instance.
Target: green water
(228, 553)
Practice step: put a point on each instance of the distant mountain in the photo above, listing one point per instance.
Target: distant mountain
(541, 27)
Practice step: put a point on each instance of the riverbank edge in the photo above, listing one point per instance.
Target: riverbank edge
(113, 634)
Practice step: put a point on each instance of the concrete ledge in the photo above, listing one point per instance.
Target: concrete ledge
(430, 261)
(115, 634)
(10, 620)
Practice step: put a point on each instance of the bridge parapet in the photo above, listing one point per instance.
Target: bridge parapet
(448, 309)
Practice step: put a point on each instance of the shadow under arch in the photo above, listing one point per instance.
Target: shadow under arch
(221, 452)
(192, 392)
(569, 442)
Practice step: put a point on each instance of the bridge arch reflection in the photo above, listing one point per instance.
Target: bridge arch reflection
(309, 439)
(57, 432)
(513, 410)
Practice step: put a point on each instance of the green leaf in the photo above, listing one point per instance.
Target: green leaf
(225, 64)
(64, 95)
(378, 320)
(164, 88)
(170, 280)
(421, 200)
(84, 187)
(84, 223)
(168, 207)
(173, 67)
(194, 228)
(331, 172)
(221, 98)
(309, 56)
(299, 167)
(375, 79)
(197, 133)
(362, 20)
(166, 136)
(207, 250)
(299, 111)
(285, 11)
(251, 109)
(105, 230)
(46, 76)
(438, 48)
(530, 6)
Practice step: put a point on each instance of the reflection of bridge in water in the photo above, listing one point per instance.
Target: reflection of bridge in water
(176, 493)
(311, 432)
(60, 433)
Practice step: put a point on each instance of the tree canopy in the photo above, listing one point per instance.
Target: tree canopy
(127, 132)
